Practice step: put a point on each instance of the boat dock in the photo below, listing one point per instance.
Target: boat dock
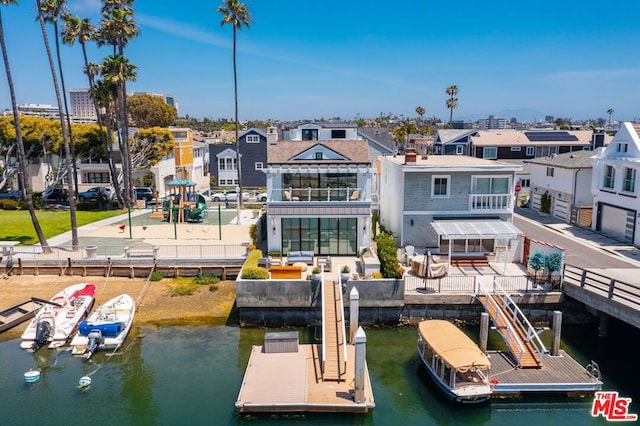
(559, 374)
(283, 376)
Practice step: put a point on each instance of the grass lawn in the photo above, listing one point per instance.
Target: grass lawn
(17, 225)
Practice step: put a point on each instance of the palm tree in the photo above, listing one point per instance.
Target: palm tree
(610, 111)
(236, 14)
(65, 138)
(22, 159)
(452, 102)
(420, 111)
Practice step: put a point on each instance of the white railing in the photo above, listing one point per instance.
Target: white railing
(317, 194)
(324, 334)
(490, 202)
(103, 251)
(344, 330)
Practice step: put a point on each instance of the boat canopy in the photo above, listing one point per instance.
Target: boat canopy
(454, 347)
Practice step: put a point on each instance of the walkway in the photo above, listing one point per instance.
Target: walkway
(334, 340)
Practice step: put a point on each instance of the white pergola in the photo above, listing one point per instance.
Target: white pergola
(470, 229)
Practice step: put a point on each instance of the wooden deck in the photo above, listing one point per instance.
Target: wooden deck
(293, 382)
(559, 374)
(334, 362)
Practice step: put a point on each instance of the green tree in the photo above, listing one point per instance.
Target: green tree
(150, 145)
(45, 12)
(420, 111)
(22, 159)
(237, 15)
(387, 254)
(150, 111)
(452, 102)
(610, 111)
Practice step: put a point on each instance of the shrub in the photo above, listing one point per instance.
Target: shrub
(388, 255)
(545, 203)
(399, 272)
(206, 280)
(346, 269)
(85, 205)
(253, 233)
(316, 270)
(182, 287)
(156, 276)
(13, 204)
(254, 273)
(251, 247)
(376, 275)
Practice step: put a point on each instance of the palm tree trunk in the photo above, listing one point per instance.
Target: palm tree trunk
(22, 159)
(235, 91)
(67, 152)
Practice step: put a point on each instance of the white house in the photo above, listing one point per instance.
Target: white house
(616, 207)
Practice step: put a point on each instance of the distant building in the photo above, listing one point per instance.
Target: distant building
(82, 104)
(168, 99)
(492, 122)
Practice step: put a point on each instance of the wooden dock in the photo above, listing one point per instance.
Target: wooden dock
(558, 374)
(292, 382)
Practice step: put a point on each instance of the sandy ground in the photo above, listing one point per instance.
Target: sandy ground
(155, 304)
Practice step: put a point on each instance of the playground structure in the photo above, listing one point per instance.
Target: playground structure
(183, 204)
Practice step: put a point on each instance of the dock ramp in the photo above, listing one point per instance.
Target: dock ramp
(334, 348)
(517, 332)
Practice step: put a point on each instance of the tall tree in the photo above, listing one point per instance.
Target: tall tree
(610, 111)
(237, 15)
(420, 111)
(22, 159)
(150, 111)
(65, 136)
(452, 102)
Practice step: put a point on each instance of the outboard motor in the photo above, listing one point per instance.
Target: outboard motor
(43, 332)
(95, 340)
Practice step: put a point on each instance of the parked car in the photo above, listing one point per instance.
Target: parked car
(229, 196)
(262, 197)
(95, 193)
(145, 193)
(10, 195)
(57, 195)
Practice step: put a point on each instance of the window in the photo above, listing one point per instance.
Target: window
(516, 148)
(439, 186)
(309, 134)
(459, 149)
(525, 183)
(227, 164)
(491, 185)
(223, 182)
(318, 156)
(531, 151)
(338, 134)
(259, 166)
(253, 139)
(490, 153)
(629, 183)
(550, 171)
(622, 147)
(98, 177)
(609, 177)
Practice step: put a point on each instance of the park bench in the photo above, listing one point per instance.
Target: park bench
(141, 250)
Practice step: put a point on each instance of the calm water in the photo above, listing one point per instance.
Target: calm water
(184, 375)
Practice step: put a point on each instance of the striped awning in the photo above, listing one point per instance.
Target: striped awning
(461, 229)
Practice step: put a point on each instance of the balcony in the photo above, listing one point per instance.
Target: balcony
(318, 194)
(490, 202)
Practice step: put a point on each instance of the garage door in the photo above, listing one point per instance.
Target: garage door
(616, 222)
(561, 209)
(535, 201)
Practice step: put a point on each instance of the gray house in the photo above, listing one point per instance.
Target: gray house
(448, 203)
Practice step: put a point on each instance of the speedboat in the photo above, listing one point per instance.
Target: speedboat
(455, 363)
(58, 318)
(106, 328)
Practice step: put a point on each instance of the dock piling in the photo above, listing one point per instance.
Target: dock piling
(354, 312)
(360, 365)
(484, 332)
(557, 326)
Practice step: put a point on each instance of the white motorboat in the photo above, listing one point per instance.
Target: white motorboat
(106, 328)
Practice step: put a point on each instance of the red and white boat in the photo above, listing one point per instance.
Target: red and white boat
(58, 319)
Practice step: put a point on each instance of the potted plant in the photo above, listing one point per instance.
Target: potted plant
(344, 273)
(316, 274)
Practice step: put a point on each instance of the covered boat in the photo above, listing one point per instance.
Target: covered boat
(56, 321)
(106, 328)
(457, 365)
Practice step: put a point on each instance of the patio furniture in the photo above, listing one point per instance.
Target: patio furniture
(300, 256)
(324, 261)
(409, 252)
(286, 272)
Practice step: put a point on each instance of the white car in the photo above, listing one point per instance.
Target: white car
(229, 196)
(262, 197)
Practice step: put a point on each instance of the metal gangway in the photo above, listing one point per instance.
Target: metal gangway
(334, 345)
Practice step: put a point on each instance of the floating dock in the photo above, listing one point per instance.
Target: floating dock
(559, 374)
(292, 382)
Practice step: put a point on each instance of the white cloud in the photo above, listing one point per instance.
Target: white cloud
(182, 30)
(588, 75)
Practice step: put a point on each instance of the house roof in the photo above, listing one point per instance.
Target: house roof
(253, 130)
(452, 162)
(457, 229)
(381, 135)
(509, 137)
(446, 136)
(568, 160)
(326, 125)
(282, 152)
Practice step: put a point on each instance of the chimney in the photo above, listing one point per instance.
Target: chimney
(272, 135)
(410, 157)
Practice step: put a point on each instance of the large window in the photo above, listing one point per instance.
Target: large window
(309, 134)
(491, 185)
(319, 182)
(609, 177)
(440, 186)
(629, 183)
(327, 236)
(471, 245)
(490, 153)
(227, 164)
(102, 177)
(338, 134)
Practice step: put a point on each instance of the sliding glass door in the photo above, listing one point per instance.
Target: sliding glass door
(323, 236)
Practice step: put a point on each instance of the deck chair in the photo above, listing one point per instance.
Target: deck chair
(409, 252)
(355, 195)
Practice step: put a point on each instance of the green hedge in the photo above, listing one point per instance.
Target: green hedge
(251, 270)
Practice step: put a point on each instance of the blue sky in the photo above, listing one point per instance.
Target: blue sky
(304, 59)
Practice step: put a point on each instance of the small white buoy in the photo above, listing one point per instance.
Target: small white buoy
(84, 382)
(32, 376)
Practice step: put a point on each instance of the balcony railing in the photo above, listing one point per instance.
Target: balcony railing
(490, 202)
(317, 194)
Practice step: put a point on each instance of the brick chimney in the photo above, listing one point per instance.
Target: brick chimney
(410, 157)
